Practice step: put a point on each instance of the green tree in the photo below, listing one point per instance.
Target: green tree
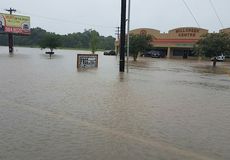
(3, 40)
(94, 37)
(106, 43)
(213, 45)
(139, 43)
(50, 41)
(37, 34)
(71, 40)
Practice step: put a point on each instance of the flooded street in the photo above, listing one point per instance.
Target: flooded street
(163, 109)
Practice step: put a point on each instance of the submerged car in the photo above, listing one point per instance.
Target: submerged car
(154, 54)
(110, 53)
(220, 58)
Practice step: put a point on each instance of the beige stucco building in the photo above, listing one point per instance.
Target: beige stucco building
(226, 30)
(176, 42)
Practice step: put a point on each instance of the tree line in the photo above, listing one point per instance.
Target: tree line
(73, 40)
(213, 45)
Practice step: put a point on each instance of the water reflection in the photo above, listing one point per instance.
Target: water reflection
(219, 69)
(161, 109)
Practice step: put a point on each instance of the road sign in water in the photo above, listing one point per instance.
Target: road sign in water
(87, 61)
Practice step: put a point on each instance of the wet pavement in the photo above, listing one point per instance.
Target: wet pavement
(163, 109)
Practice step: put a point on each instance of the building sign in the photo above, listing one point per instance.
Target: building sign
(87, 61)
(187, 32)
(14, 24)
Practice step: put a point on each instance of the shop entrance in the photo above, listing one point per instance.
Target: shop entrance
(183, 52)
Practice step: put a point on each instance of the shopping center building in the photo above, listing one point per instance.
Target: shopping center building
(177, 42)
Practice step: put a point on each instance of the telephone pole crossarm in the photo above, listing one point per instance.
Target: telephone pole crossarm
(11, 10)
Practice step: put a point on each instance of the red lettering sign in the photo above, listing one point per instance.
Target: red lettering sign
(16, 30)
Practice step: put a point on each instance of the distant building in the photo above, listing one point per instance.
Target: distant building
(177, 42)
(226, 30)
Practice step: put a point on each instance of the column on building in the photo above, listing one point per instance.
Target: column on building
(169, 52)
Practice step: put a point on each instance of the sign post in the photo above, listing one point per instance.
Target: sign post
(11, 42)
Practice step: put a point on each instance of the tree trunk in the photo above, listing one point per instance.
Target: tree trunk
(135, 57)
(214, 62)
(51, 52)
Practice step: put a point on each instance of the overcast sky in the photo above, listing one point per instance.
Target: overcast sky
(68, 16)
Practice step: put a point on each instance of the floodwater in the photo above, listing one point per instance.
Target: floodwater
(163, 109)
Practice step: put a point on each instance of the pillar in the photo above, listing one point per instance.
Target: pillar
(169, 52)
(11, 43)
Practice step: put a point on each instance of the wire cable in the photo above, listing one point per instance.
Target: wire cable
(65, 20)
(214, 9)
(191, 13)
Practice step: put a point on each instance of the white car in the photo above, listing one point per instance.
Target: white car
(219, 58)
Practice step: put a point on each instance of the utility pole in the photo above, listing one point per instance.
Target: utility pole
(10, 35)
(118, 33)
(122, 36)
(128, 37)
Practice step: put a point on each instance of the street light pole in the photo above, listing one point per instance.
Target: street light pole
(122, 36)
(128, 28)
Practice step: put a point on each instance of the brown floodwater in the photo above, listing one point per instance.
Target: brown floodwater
(163, 109)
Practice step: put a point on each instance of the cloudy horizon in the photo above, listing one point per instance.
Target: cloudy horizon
(70, 16)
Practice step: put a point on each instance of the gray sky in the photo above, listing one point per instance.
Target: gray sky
(104, 15)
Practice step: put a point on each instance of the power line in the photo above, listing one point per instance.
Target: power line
(66, 21)
(191, 13)
(59, 20)
(214, 9)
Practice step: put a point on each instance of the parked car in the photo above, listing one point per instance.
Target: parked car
(146, 54)
(154, 54)
(110, 53)
(220, 58)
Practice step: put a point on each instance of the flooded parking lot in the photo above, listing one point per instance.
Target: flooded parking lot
(163, 109)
